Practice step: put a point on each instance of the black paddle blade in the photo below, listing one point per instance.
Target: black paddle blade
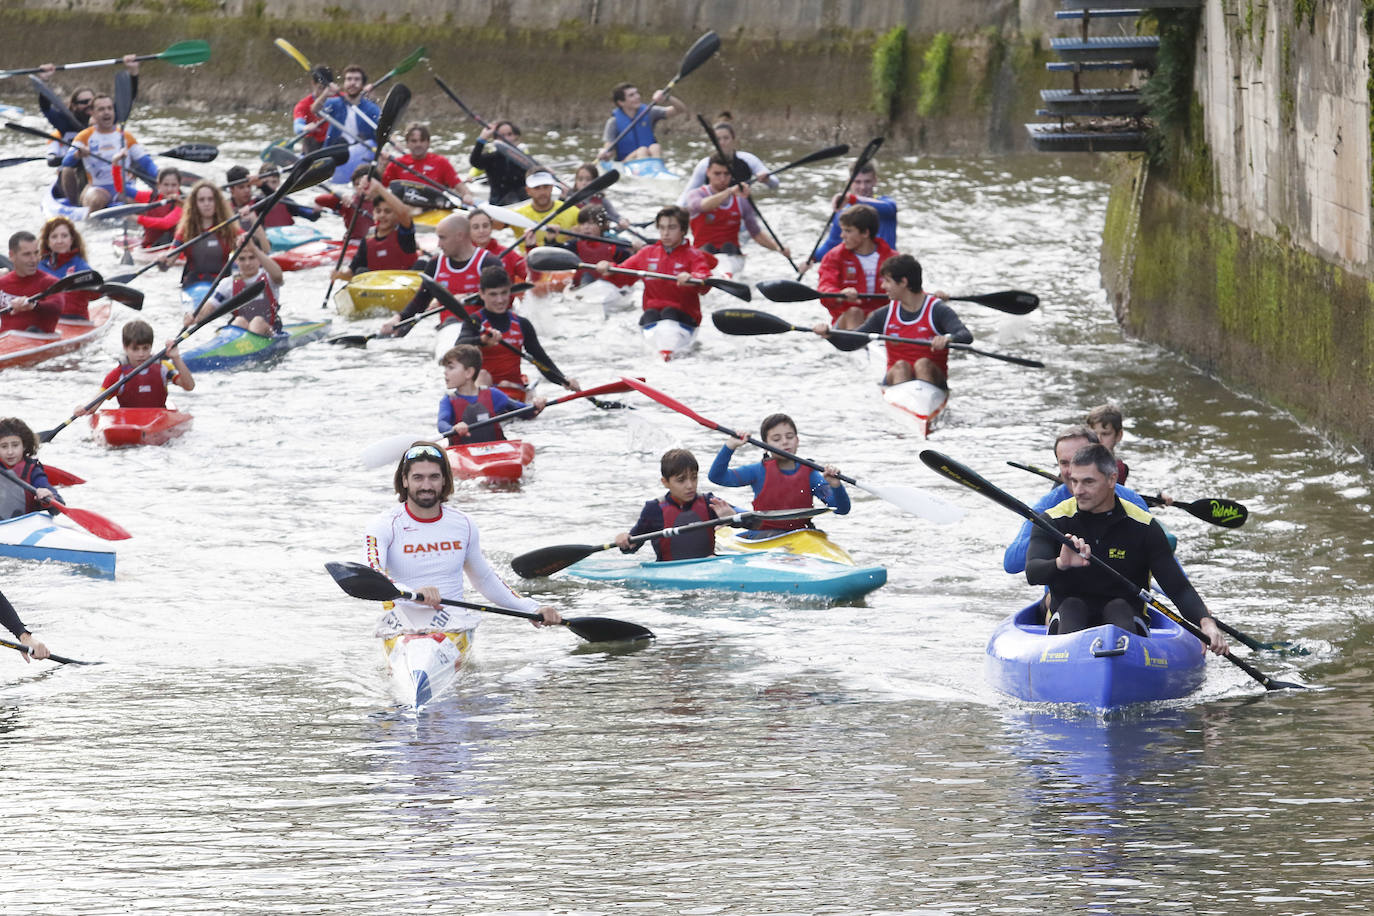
(18, 160)
(414, 194)
(606, 629)
(393, 106)
(349, 340)
(363, 582)
(280, 156)
(194, 152)
(125, 295)
(748, 323)
(123, 95)
(948, 467)
(1011, 301)
(1224, 512)
(786, 291)
(81, 280)
(733, 287)
(55, 103)
(595, 186)
(548, 560)
(702, 50)
(546, 257)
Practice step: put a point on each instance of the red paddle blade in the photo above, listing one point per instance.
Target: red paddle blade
(668, 402)
(60, 478)
(98, 525)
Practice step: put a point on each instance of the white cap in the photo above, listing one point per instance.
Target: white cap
(540, 180)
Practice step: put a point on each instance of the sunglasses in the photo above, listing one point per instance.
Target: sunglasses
(423, 451)
(83, 101)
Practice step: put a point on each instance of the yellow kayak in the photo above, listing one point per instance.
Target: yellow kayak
(809, 542)
(377, 291)
(431, 218)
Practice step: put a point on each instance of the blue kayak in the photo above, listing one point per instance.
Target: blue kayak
(647, 167)
(238, 348)
(764, 571)
(1101, 668)
(192, 296)
(38, 536)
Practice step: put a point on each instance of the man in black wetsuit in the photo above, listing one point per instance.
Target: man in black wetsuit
(9, 618)
(1126, 537)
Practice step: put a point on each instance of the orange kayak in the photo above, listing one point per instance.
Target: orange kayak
(20, 348)
(121, 426)
(503, 460)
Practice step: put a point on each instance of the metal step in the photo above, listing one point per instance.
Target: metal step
(1097, 13)
(1061, 66)
(1051, 138)
(1081, 5)
(1096, 102)
(1141, 50)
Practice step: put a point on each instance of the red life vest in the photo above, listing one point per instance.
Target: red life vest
(693, 544)
(501, 363)
(719, 227)
(386, 254)
(591, 253)
(470, 413)
(265, 305)
(462, 282)
(784, 491)
(146, 389)
(920, 329)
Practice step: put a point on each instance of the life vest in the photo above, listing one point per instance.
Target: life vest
(920, 329)
(693, 544)
(153, 237)
(501, 363)
(471, 412)
(784, 491)
(590, 253)
(13, 499)
(265, 305)
(462, 282)
(719, 227)
(147, 388)
(204, 260)
(384, 253)
(641, 135)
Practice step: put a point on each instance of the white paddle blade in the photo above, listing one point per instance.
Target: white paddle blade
(917, 502)
(507, 216)
(389, 450)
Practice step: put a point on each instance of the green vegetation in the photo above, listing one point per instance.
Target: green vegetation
(889, 71)
(1169, 92)
(934, 78)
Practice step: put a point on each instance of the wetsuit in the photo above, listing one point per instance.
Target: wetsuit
(658, 514)
(9, 618)
(501, 363)
(887, 222)
(842, 268)
(1014, 559)
(775, 488)
(505, 179)
(469, 408)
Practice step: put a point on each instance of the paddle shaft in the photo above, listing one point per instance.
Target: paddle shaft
(501, 147)
(150, 180)
(732, 158)
(60, 659)
(81, 65)
(701, 50)
(926, 342)
(343, 253)
(1220, 512)
(868, 152)
(528, 409)
(96, 524)
(594, 187)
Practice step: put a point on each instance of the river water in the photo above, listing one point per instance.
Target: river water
(239, 750)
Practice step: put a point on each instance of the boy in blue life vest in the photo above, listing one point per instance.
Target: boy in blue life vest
(681, 505)
(466, 403)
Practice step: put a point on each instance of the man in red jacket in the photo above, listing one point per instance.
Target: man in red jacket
(19, 286)
(851, 268)
(678, 299)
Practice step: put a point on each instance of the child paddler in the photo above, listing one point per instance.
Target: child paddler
(149, 387)
(779, 483)
(466, 402)
(498, 322)
(681, 505)
(680, 299)
(18, 455)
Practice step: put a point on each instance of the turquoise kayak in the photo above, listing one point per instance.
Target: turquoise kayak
(1101, 668)
(764, 571)
(237, 348)
(284, 238)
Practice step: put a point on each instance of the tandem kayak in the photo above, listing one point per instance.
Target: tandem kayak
(918, 403)
(238, 348)
(119, 426)
(806, 542)
(424, 665)
(22, 348)
(647, 167)
(669, 339)
(39, 536)
(53, 206)
(1101, 667)
(765, 571)
(503, 460)
(377, 291)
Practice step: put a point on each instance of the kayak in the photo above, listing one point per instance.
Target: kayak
(764, 571)
(283, 238)
(319, 253)
(550, 281)
(647, 167)
(1101, 667)
(377, 291)
(60, 206)
(918, 403)
(807, 542)
(424, 665)
(669, 339)
(603, 295)
(429, 219)
(21, 348)
(192, 296)
(503, 460)
(137, 252)
(238, 348)
(729, 266)
(39, 536)
(140, 425)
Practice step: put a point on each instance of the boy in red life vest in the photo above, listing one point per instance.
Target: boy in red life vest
(261, 316)
(149, 387)
(18, 451)
(922, 317)
(364, 223)
(678, 299)
(720, 207)
(594, 221)
(391, 244)
(467, 402)
(779, 483)
(681, 505)
(498, 323)
(851, 268)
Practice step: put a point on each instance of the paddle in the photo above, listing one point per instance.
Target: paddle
(60, 659)
(865, 157)
(124, 295)
(55, 104)
(359, 581)
(296, 55)
(181, 54)
(60, 478)
(388, 451)
(405, 66)
(1011, 301)
(546, 561)
(193, 152)
(1224, 513)
(338, 265)
(748, 323)
(715, 141)
(19, 160)
(595, 186)
(699, 53)
(98, 525)
(247, 294)
(908, 499)
(550, 258)
(948, 467)
(519, 157)
(360, 340)
(34, 132)
(80, 281)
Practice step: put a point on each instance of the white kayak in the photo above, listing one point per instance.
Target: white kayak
(39, 536)
(604, 296)
(425, 665)
(669, 339)
(918, 403)
(54, 206)
(651, 167)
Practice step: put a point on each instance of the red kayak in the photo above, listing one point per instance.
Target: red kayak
(21, 348)
(312, 254)
(140, 425)
(504, 460)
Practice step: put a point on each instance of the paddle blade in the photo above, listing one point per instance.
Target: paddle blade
(671, 403)
(124, 295)
(280, 156)
(547, 258)
(98, 525)
(188, 53)
(606, 629)
(868, 153)
(18, 160)
(296, 55)
(413, 194)
(548, 560)
(409, 63)
(595, 186)
(507, 216)
(733, 287)
(1224, 512)
(1011, 301)
(349, 340)
(81, 280)
(360, 581)
(786, 291)
(830, 152)
(748, 323)
(123, 95)
(194, 152)
(699, 53)
(916, 502)
(393, 106)
(386, 451)
(60, 478)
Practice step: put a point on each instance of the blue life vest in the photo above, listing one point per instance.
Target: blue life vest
(642, 135)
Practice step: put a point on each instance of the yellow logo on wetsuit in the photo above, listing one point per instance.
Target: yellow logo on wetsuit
(1116, 553)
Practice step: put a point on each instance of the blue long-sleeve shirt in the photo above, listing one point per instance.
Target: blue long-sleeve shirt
(887, 224)
(753, 475)
(1014, 560)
